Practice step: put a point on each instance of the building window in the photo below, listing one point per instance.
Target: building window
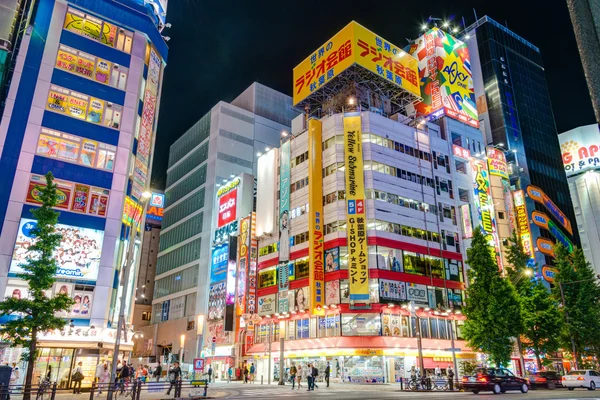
(457, 140)
(461, 166)
(463, 195)
(146, 316)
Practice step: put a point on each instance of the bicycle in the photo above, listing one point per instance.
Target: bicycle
(440, 384)
(124, 388)
(43, 391)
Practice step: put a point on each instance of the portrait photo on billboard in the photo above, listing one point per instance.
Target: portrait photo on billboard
(301, 298)
(332, 292)
(332, 259)
(83, 304)
(284, 236)
(216, 301)
(77, 256)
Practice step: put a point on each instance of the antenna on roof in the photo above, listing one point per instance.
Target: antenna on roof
(475, 12)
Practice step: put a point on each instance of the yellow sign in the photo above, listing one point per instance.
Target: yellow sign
(355, 45)
(316, 275)
(368, 352)
(358, 269)
(267, 278)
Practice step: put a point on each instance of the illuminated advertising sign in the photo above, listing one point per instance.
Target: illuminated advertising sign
(227, 208)
(580, 149)
(549, 273)
(316, 221)
(77, 256)
(243, 258)
(219, 259)
(539, 196)
(545, 246)
(497, 163)
(446, 78)
(132, 211)
(216, 301)
(251, 303)
(355, 44)
(543, 221)
(485, 205)
(465, 211)
(460, 152)
(523, 222)
(416, 293)
(155, 209)
(284, 215)
(231, 271)
(358, 270)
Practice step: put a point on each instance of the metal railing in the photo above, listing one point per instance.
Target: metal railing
(430, 384)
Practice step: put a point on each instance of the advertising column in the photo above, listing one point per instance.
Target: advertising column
(358, 270)
(315, 215)
(284, 227)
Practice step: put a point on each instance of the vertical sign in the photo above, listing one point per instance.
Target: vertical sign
(284, 224)
(485, 206)
(465, 210)
(523, 222)
(251, 302)
(358, 270)
(243, 258)
(231, 284)
(315, 215)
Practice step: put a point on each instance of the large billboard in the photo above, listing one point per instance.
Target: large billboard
(358, 269)
(77, 256)
(523, 222)
(580, 149)
(316, 221)
(355, 45)
(497, 162)
(445, 77)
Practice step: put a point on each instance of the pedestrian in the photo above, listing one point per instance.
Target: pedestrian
(101, 375)
(252, 372)
(299, 375)
(337, 368)
(174, 376)
(327, 372)
(210, 371)
(246, 372)
(315, 373)
(158, 372)
(450, 377)
(229, 374)
(77, 378)
(293, 372)
(309, 377)
(438, 371)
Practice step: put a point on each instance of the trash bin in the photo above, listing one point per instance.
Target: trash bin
(5, 371)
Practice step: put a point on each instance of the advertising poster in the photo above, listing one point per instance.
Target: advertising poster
(391, 291)
(77, 107)
(332, 292)
(485, 205)
(68, 150)
(81, 196)
(78, 255)
(580, 149)
(446, 77)
(96, 110)
(57, 102)
(465, 211)
(332, 259)
(66, 289)
(523, 222)
(231, 271)
(83, 304)
(395, 325)
(132, 211)
(88, 152)
(63, 192)
(392, 261)
(358, 270)
(416, 293)
(85, 66)
(16, 292)
(66, 60)
(355, 44)
(48, 146)
(284, 202)
(301, 298)
(102, 71)
(316, 275)
(497, 163)
(219, 259)
(267, 304)
(216, 301)
(216, 329)
(267, 278)
(283, 273)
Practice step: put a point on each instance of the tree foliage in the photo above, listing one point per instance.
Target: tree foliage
(492, 308)
(36, 312)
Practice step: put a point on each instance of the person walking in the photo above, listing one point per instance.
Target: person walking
(438, 371)
(77, 378)
(158, 372)
(309, 377)
(229, 374)
(210, 371)
(450, 377)
(245, 372)
(299, 373)
(102, 376)
(293, 372)
(174, 376)
(315, 373)
(252, 372)
(327, 373)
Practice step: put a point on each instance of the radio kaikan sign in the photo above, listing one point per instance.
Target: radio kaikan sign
(355, 45)
(445, 77)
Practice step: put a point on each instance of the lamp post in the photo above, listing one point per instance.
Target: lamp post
(127, 270)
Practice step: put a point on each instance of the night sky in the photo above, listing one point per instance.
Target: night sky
(219, 47)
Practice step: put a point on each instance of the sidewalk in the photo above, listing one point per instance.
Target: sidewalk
(213, 393)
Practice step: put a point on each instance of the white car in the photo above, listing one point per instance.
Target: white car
(585, 378)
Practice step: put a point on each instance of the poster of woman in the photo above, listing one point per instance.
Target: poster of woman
(301, 298)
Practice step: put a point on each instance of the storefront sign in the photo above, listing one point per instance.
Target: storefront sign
(391, 291)
(227, 208)
(63, 192)
(267, 278)
(83, 334)
(219, 259)
(465, 211)
(252, 284)
(222, 234)
(523, 222)
(267, 304)
(284, 202)
(315, 215)
(539, 196)
(461, 153)
(358, 270)
(549, 273)
(559, 235)
(497, 162)
(416, 293)
(132, 211)
(545, 246)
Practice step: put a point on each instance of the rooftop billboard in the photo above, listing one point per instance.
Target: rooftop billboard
(580, 149)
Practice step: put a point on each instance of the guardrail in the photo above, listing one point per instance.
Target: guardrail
(430, 384)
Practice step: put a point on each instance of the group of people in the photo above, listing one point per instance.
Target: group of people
(309, 373)
(249, 372)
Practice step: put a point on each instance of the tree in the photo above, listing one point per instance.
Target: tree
(492, 308)
(577, 289)
(37, 311)
(541, 321)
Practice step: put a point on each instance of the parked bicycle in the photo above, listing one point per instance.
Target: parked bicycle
(44, 390)
(440, 384)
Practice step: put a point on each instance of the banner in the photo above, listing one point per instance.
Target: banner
(523, 222)
(315, 215)
(497, 162)
(284, 218)
(251, 307)
(358, 270)
(219, 259)
(539, 196)
(243, 261)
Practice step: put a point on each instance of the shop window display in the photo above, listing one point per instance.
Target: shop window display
(365, 324)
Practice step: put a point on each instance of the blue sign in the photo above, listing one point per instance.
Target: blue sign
(28, 228)
(218, 266)
(351, 206)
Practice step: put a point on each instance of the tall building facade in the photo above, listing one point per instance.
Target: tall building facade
(83, 104)
(580, 148)
(516, 117)
(223, 144)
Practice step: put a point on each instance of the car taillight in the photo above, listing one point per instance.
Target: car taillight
(581, 378)
(465, 379)
(482, 379)
(563, 378)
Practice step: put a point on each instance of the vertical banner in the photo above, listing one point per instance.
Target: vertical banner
(284, 221)
(315, 215)
(358, 270)
(252, 273)
(243, 261)
(231, 284)
(523, 222)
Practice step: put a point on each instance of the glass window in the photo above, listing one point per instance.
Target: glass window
(367, 324)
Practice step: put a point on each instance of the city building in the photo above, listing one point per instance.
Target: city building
(515, 115)
(83, 104)
(218, 153)
(585, 16)
(144, 287)
(581, 157)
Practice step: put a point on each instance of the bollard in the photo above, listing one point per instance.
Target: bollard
(53, 394)
(205, 388)
(92, 390)
(139, 391)
(134, 389)
(261, 379)
(401, 384)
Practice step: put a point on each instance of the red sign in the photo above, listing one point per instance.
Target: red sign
(460, 152)
(227, 208)
(214, 339)
(198, 364)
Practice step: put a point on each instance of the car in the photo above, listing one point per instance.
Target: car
(583, 378)
(497, 380)
(545, 379)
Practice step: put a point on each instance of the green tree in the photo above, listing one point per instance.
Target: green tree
(492, 308)
(577, 289)
(37, 311)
